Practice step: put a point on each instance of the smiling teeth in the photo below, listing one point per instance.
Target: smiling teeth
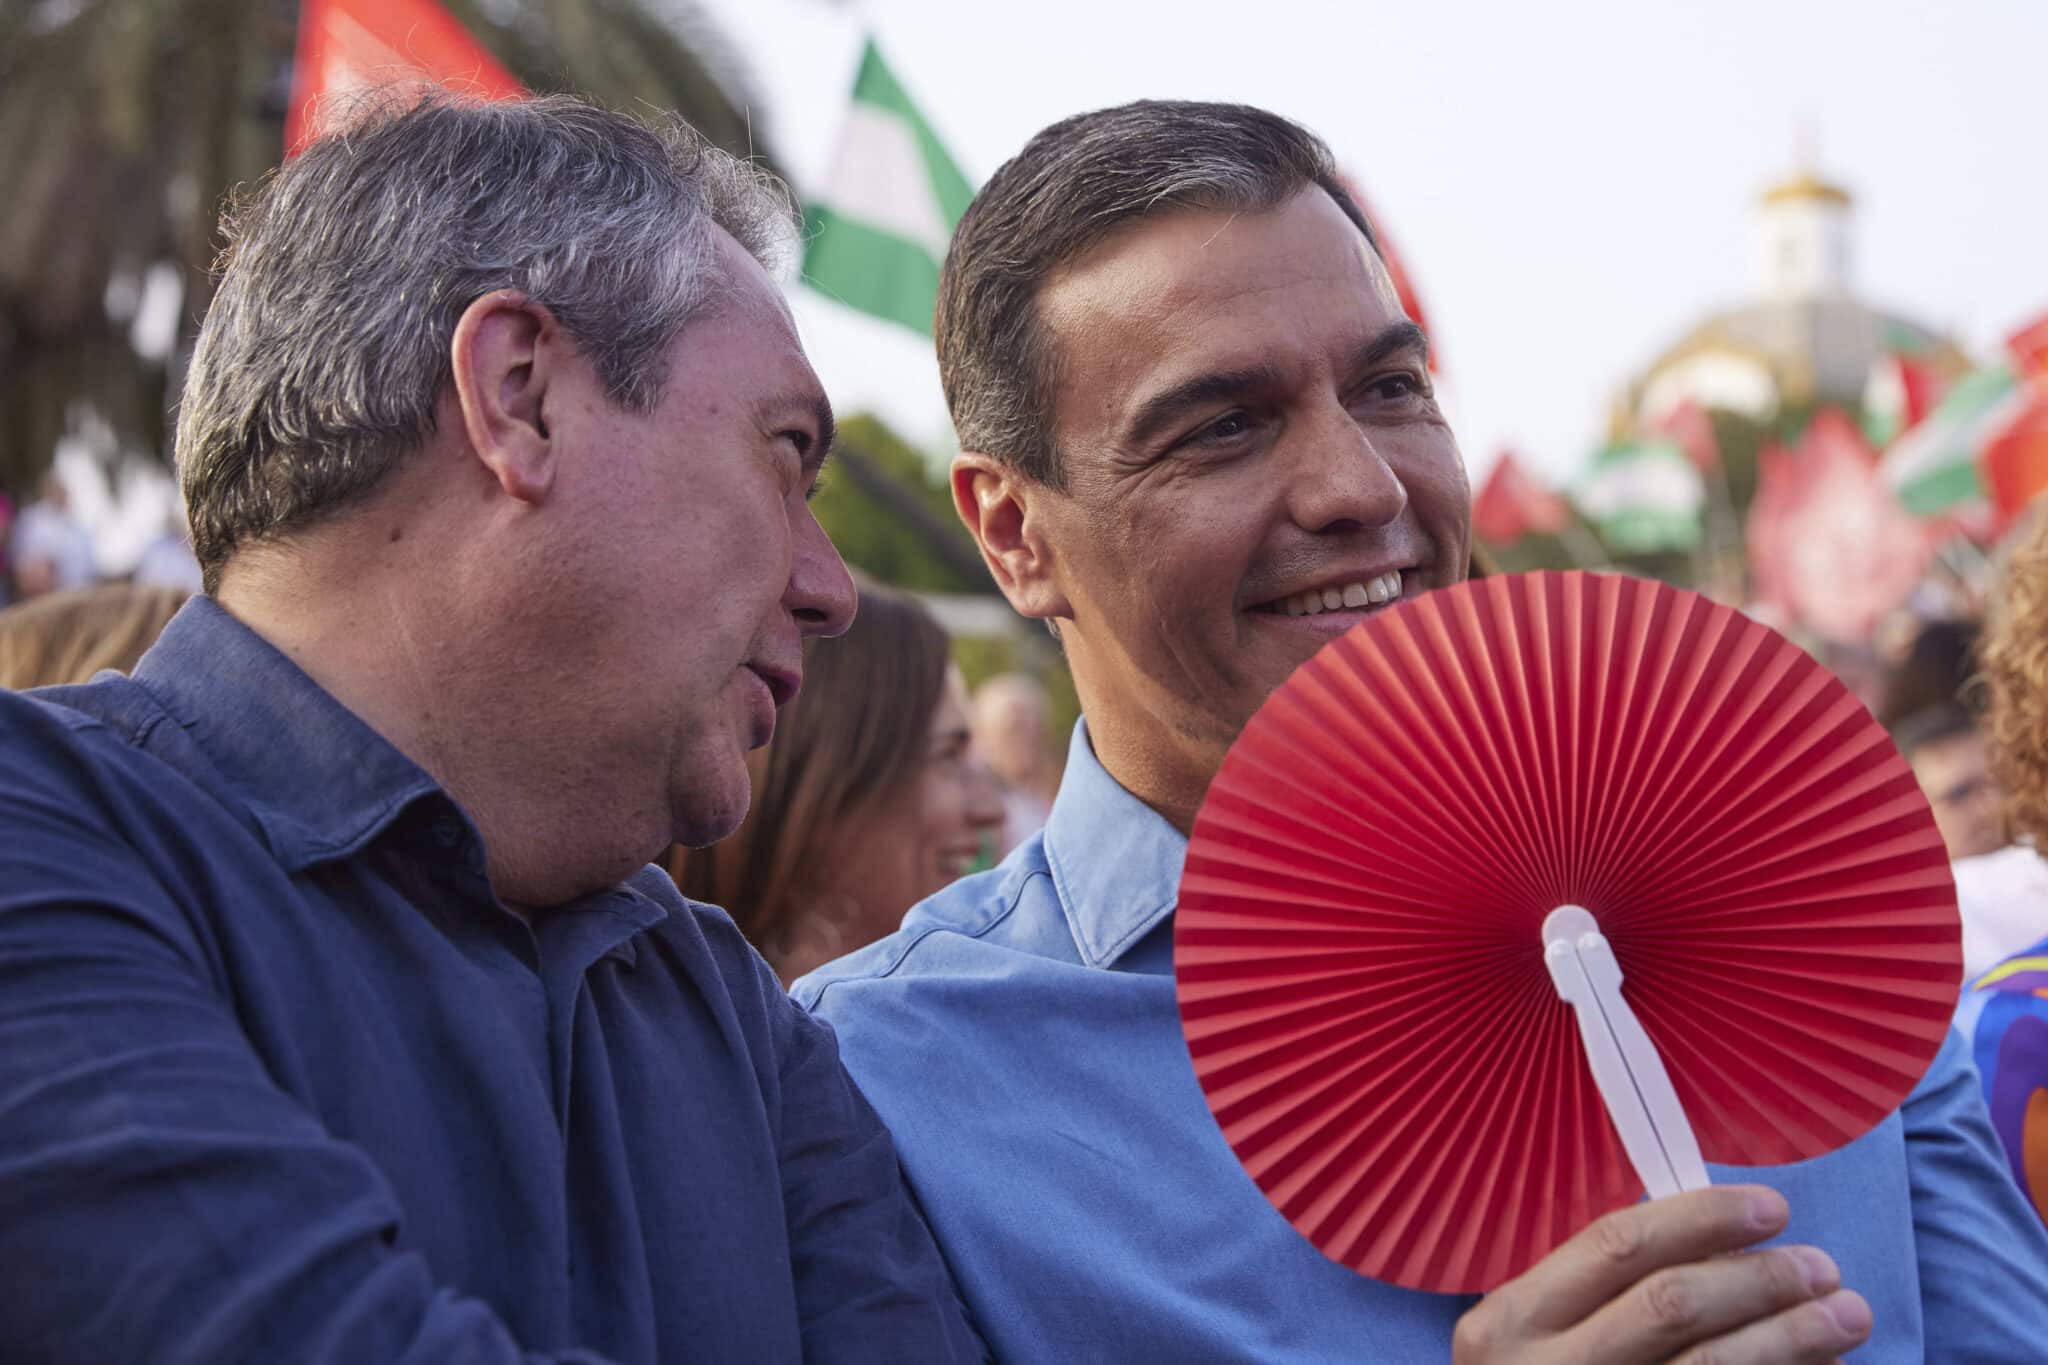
(1372, 592)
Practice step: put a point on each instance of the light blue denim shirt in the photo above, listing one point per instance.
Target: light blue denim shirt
(1020, 1037)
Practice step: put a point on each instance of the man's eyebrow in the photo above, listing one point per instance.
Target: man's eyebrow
(1404, 335)
(1162, 409)
(828, 431)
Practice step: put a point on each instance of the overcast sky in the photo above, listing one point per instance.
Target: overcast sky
(1571, 183)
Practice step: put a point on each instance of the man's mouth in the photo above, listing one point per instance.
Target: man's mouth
(782, 683)
(1351, 595)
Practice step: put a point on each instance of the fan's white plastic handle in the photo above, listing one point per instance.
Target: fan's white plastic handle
(1631, 1076)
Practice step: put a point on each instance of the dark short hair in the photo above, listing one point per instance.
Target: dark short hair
(1934, 724)
(326, 348)
(1940, 667)
(1071, 186)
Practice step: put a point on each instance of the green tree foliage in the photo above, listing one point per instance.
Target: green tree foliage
(983, 658)
(892, 518)
(123, 122)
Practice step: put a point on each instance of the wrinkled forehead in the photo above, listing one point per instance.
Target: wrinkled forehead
(744, 292)
(741, 284)
(1198, 251)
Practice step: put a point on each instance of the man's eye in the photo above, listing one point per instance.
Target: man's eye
(1228, 427)
(1394, 387)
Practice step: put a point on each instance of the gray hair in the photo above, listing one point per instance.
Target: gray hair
(1071, 186)
(327, 346)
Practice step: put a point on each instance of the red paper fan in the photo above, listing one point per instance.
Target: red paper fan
(1360, 969)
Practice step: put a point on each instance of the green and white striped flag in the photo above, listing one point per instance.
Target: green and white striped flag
(1644, 496)
(879, 231)
(1933, 467)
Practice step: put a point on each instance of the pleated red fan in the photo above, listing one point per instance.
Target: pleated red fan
(1358, 940)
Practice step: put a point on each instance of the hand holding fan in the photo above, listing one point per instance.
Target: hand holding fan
(1519, 792)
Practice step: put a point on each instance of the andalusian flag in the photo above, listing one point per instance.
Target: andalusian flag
(1644, 496)
(1902, 389)
(879, 231)
(1934, 466)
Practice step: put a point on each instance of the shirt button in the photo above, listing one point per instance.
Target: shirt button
(447, 834)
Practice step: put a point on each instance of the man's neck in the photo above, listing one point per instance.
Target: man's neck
(351, 607)
(1151, 763)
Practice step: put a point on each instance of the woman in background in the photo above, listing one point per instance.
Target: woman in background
(66, 637)
(868, 800)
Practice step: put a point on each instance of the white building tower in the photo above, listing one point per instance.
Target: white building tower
(1801, 240)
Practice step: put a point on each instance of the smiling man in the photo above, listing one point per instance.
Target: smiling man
(1200, 442)
(340, 1017)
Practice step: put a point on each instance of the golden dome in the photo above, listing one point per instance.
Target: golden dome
(1806, 185)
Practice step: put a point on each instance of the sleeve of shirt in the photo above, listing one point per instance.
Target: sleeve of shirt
(160, 1198)
(870, 1281)
(1983, 1253)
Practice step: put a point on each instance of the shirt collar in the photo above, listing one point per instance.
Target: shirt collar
(1115, 861)
(318, 780)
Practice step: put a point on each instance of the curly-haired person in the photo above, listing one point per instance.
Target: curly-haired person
(2005, 1014)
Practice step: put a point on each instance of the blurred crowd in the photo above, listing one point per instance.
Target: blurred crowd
(48, 548)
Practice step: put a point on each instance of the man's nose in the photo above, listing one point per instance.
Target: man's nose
(821, 594)
(1339, 479)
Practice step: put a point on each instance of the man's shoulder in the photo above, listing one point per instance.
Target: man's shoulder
(704, 942)
(97, 812)
(705, 927)
(960, 931)
(109, 762)
(103, 722)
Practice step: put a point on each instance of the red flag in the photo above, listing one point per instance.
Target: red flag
(1404, 287)
(1830, 545)
(1511, 505)
(1689, 425)
(351, 45)
(2014, 465)
(2029, 346)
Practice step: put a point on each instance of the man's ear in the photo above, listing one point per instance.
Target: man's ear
(506, 351)
(1006, 513)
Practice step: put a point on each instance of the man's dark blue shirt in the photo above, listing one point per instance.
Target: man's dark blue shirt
(280, 1078)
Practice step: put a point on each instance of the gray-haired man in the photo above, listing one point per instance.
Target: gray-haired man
(339, 1020)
